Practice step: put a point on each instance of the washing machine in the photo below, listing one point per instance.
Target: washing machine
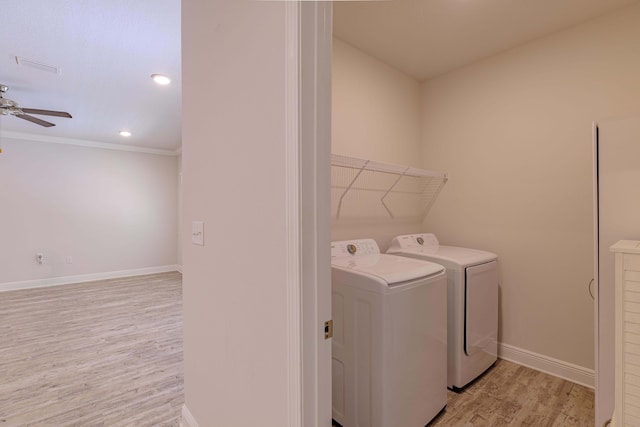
(389, 350)
(472, 320)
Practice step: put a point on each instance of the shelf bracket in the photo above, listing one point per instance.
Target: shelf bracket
(389, 191)
(355, 178)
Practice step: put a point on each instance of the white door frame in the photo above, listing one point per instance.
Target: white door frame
(308, 120)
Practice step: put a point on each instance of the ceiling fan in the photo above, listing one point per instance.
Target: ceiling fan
(11, 108)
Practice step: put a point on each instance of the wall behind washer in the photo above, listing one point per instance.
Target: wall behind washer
(375, 116)
(109, 210)
(514, 132)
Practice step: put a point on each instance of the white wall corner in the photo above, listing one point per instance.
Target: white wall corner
(548, 365)
(66, 280)
(187, 418)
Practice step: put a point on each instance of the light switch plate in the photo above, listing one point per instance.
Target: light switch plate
(197, 233)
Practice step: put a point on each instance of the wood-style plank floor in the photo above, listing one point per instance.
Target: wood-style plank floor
(105, 353)
(109, 353)
(513, 395)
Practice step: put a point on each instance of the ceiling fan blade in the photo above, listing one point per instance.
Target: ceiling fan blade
(34, 120)
(46, 112)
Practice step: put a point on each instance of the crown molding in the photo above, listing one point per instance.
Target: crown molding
(86, 143)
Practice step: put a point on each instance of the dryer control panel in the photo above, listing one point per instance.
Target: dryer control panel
(348, 248)
(414, 241)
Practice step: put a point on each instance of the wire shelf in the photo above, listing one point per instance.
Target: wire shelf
(367, 189)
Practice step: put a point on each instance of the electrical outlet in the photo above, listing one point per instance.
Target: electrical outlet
(40, 258)
(69, 259)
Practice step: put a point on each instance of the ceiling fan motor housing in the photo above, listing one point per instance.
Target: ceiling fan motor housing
(8, 106)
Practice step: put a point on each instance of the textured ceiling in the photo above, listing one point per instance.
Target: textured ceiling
(424, 38)
(106, 51)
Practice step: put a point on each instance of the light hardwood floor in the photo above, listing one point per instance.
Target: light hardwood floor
(512, 395)
(109, 353)
(105, 353)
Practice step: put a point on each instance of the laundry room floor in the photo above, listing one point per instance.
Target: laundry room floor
(513, 395)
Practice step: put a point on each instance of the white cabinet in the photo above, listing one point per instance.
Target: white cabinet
(627, 336)
(617, 216)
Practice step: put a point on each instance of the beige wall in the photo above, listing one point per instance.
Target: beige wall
(514, 133)
(233, 157)
(375, 110)
(375, 116)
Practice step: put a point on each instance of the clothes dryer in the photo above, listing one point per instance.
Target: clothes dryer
(389, 337)
(472, 319)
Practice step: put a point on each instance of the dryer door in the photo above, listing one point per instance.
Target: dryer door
(481, 309)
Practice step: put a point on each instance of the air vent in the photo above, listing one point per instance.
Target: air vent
(38, 65)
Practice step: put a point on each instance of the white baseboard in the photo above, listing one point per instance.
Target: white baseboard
(548, 365)
(187, 418)
(65, 280)
(179, 268)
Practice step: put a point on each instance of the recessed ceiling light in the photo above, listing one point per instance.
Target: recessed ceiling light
(161, 79)
(125, 133)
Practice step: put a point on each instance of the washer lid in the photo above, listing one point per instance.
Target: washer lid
(390, 268)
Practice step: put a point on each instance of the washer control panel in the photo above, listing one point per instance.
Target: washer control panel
(348, 248)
